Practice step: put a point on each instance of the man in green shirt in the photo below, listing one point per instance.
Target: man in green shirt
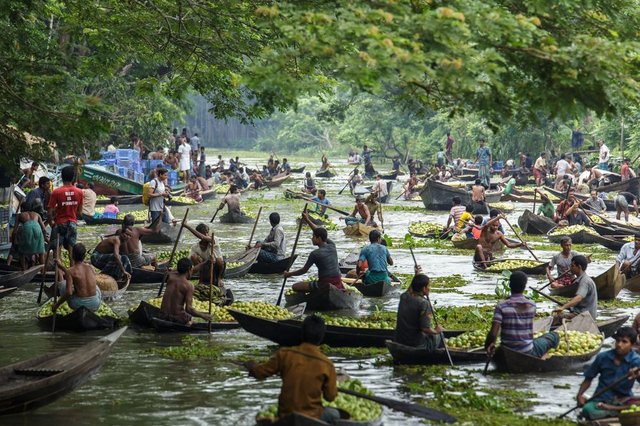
(546, 206)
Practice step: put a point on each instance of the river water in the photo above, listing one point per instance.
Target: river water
(137, 386)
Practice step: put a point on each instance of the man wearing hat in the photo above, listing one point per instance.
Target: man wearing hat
(611, 366)
(628, 257)
(361, 209)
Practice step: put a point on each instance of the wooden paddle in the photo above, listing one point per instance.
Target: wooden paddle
(410, 408)
(553, 299)
(597, 394)
(521, 240)
(325, 205)
(293, 252)
(219, 208)
(55, 281)
(535, 195)
(433, 311)
(211, 276)
(255, 224)
(352, 174)
(173, 253)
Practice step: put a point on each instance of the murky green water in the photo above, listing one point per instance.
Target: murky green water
(136, 386)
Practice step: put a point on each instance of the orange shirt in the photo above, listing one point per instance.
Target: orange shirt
(307, 375)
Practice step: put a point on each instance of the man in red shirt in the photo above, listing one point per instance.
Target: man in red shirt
(65, 204)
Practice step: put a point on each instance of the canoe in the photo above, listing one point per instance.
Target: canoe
(610, 326)
(540, 269)
(166, 235)
(358, 230)
(633, 284)
(79, 320)
(4, 292)
(390, 175)
(609, 283)
(41, 380)
(437, 196)
(612, 242)
(298, 419)
(247, 258)
(122, 200)
(510, 361)
(289, 332)
(330, 299)
(403, 354)
(471, 243)
(328, 173)
(145, 315)
(146, 276)
(605, 230)
(580, 237)
(349, 262)
(106, 221)
(277, 180)
(519, 198)
(378, 289)
(531, 223)
(228, 218)
(298, 169)
(272, 268)
(17, 279)
(289, 194)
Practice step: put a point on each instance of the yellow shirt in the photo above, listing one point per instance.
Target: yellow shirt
(464, 218)
(307, 375)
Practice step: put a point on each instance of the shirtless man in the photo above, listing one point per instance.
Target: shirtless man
(106, 256)
(325, 162)
(80, 288)
(478, 192)
(232, 200)
(178, 298)
(28, 179)
(488, 237)
(362, 209)
(131, 247)
(157, 155)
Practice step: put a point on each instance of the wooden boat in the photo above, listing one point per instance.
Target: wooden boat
(364, 190)
(79, 320)
(612, 242)
(272, 268)
(166, 235)
(330, 299)
(609, 204)
(471, 243)
(277, 180)
(580, 237)
(10, 278)
(106, 221)
(146, 276)
(403, 354)
(298, 169)
(147, 316)
(633, 284)
(209, 194)
(531, 223)
(108, 183)
(605, 230)
(378, 289)
(437, 196)
(229, 218)
(358, 230)
(511, 361)
(122, 200)
(327, 173)
(519, 198)
(4, 291)
(107, 296)
(247, 258)
(390, 176)
(540, 269)
(298, 419)
(609, 283)
(289, 194)
(349, 262)
(41, 380)
(178, 203)
(610, 326)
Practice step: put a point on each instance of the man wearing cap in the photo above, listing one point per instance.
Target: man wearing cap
(611, 366)
(361, 209)
(377, 257)
(628, 257)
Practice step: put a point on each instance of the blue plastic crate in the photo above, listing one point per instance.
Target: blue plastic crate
(122, 171)
(172, 182)
(108, 155)
(154, 163)
(127, 154)
(498, 165)
(110, 161)
(109, 215)
(173, 175)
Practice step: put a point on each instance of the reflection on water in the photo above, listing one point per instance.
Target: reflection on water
(138, 387)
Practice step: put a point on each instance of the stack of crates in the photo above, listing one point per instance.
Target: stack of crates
(128, 162)
(173, 178)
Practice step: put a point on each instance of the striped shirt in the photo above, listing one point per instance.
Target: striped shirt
(515, 316)
(456, 213)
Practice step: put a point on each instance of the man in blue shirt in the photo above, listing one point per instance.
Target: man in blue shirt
(611, 365)
(322, 199)
(377, 257)
(484, 160)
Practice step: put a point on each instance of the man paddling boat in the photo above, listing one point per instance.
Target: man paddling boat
(488, 237)
(272, 248)
(562, 261)
(200, 254)
(178, 297)
(414, 322)
(79, 288)
(611, 366)
(359, 209)
(627, 260)
(107, 257)
(513, 321)
(307, 374)
(132, 246)
(376, 257)
(586, 298)
(325, 257)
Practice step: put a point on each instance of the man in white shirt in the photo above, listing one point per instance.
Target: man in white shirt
(185, 158)
(603, 161)
(562, 167)
(380, 190)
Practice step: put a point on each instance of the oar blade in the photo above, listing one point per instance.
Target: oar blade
(410, 408)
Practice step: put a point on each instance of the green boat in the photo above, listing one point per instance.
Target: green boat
(108, 183)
